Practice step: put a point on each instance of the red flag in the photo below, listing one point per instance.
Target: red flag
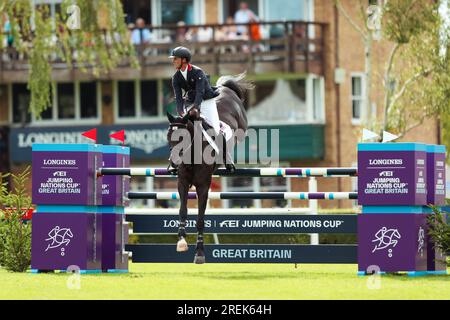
(91, 134)
(119, 135)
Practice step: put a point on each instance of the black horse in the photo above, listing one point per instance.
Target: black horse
(231, 111)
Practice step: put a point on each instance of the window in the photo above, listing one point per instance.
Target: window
(127, 103)
(134, 9)
(137, 99)
(357, 97)
(71, 101)
(317, 99)
(173, 11)
(149, 96)
(20, 103)
(88, 100)
(285, 10)
(289, 97)
(50, 8)
(66, 101)
(231, 6)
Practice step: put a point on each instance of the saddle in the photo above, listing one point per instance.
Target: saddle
(225, 130)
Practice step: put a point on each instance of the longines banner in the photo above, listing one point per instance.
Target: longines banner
(146, 141)
(149, 141)
(247, 223)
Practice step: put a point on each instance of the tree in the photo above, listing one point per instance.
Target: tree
(90, 33)
(416, 76)
(15, 234)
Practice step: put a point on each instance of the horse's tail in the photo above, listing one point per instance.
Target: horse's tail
(237, 83)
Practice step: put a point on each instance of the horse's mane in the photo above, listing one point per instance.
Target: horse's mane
(237, 83)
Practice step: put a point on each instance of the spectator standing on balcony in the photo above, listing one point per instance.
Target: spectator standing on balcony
(227, 32)
(243, 15)
(204, 34)
(192, 34)
(231, 29)
(255, 34)
(7, 30)
(140, 35)
(180, 34)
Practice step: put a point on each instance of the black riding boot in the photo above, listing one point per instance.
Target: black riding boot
(229, 164)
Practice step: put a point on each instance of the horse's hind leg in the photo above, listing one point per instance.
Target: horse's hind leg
(202, 195)
(183, 189)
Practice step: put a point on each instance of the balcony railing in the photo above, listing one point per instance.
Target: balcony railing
(279, 46)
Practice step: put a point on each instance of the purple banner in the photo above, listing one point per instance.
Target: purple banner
(436, 178)
(113, 186)
(66, 178)
(114, 238)
(61, 240)
(392, 242)
(392, 178)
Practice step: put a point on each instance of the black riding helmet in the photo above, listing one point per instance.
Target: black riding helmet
(181, 52)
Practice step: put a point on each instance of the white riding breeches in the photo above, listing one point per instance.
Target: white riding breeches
(208, 110)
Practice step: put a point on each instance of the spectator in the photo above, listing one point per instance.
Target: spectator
(7, 30)
(140, 35)
(180, 34)
(192, 34)
(204, 34)
(255, 32)
(220, 34)
(300, 35)
(243, 15)
(231, 30)
(227, 31)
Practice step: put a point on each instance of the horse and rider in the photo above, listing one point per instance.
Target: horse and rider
(198, 94)
(201, 106)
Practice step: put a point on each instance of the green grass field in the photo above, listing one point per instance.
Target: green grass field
(224, 281)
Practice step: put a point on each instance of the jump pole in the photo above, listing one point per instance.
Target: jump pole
(244, 172)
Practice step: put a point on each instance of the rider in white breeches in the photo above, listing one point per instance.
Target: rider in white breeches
(198, 92)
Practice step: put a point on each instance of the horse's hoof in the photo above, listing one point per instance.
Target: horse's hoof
(182, 245)
(199, 259)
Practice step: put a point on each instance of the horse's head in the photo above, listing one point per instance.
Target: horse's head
(180, 129)
(176, 123)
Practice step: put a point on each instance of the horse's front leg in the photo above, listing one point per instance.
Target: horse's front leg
(202, 196)
(183, 190)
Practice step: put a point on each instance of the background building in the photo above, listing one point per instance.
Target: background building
(305, 59)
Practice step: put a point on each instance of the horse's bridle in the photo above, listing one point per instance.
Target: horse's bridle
(184, 126)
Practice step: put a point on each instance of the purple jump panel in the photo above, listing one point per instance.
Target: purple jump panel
(63, 239)
(114, 238)
(66, 174)
(392, 242)
(392, 174)
(114, 187)
(436, 175)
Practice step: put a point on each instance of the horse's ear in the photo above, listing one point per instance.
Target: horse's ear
(170, 117)
(185, 118)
